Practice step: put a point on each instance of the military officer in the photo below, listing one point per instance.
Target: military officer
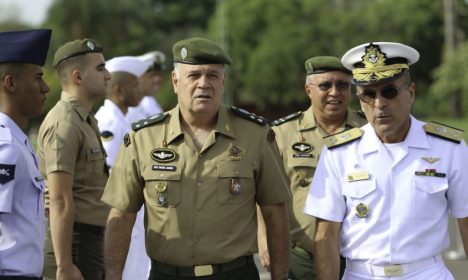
(199, 169)
(382, 194)
(73, 161)
(299, 139)
(149, 84)
(22, 95)
(122, 92)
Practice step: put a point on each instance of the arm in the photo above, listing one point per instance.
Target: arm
(117, 242)
(463, 225)
(327, 249)
(276, 221)
(62, 217)
(262, 241)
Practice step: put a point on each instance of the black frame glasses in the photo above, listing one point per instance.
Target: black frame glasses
(327, 85)
(390, 92)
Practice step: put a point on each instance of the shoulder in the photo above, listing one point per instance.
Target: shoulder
(342, 138)
(444, 132)
(152, 120)
(286, 119)
(248, 116)
(8, 151)
(5, 134)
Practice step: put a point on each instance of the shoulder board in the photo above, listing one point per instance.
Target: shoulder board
(248, 116)
(342, 138)
(5, 134)
(443, 131)
(148, 121)
(286, 119)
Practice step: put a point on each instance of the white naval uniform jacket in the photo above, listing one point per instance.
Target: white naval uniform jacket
(408, 213)
(22, 188)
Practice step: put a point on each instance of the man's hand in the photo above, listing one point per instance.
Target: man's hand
(70, 272)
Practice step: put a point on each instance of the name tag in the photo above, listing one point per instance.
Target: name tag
(164, 167)
(95, 150)
(393, 270)
(364, 175)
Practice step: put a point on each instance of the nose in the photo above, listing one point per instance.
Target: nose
(107, 75)
(45, 88)
(380, 101)
(203, 82)
(334, 91)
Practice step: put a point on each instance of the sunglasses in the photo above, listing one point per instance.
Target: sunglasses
(369, 95)
(326, 86)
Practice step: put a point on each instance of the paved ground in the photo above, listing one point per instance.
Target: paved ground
(459, 269)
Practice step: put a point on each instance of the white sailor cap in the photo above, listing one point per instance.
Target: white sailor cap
(377, 62)
(128, 64)
(154, 59)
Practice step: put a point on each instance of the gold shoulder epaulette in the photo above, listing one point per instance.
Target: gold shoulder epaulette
(148, 121)
(444, 131)
(342, 138)
(286, 119)
(248, 116)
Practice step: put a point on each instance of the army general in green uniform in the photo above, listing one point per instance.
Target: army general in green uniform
(199, 169)
(299, 138)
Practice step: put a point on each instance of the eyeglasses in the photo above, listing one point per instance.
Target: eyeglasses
(326, 86)
(369, 95)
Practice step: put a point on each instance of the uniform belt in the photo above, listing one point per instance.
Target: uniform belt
(390, 270)
(201, 270)
(96, 230)
(19, 278)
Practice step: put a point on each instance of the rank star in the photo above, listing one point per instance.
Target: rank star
(4, 172)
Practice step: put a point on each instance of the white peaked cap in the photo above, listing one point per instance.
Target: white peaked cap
(129, 64)
(153, 57)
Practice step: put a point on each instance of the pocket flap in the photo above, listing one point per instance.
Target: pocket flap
(358, 189)
(430, 184)
(230, 169)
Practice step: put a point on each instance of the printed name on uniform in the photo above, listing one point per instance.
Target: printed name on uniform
(339, 139)
(444, 131)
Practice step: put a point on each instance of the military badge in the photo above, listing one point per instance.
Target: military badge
(430, 160)
(362, 210)
(430, 173)
(271, 136)
(302, 175)
(161, 188)
(183, 53)
(127, 140)
(364, 175)
(163, 155)
(7, 173)
(235, 186)
(56, 142)
(107, 135)
(235, 152)
(302, 147)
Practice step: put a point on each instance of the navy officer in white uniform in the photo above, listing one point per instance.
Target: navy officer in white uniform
(22, 95)
(123, 92)
(382, 194)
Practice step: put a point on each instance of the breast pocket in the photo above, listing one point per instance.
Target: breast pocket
(429, 199)
(236, 182)
(95, 160)
(360, 196)
(163, 189)
(302, 171)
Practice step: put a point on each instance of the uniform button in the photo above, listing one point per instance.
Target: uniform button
(199, 184)
(161, 175)
(236, 172)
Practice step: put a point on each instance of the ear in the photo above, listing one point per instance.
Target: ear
(412, 92)
(9, 83)
(174, 81)
(308, 91)
(76, 76)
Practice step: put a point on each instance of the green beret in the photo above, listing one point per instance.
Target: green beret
(199, 51)
(75, 48)
(321, 64)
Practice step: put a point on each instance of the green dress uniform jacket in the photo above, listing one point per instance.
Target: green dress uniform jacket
(200, 205)
(299, 140)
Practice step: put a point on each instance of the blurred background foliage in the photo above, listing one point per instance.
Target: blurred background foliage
(269, 40)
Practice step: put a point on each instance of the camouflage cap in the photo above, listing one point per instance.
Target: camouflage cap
(321, 64)
(75, 48)
(199, 51)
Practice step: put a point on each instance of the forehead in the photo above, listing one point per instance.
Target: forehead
(201, 67)
(95, 58)
(330, 76)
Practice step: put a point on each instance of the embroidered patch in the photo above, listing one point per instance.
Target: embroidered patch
(7, 173)
(163, 155)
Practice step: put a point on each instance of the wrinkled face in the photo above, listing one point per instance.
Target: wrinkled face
(95, 75)
(387, 107)
(330, 93)
(30, 89)
(131, 92)
(199, 88)
(150, 83)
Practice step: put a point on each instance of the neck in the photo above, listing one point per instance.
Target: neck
(120, 105)
(86, 103)
(330, 125)
(198, 122)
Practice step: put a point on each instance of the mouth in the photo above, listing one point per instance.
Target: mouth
(333, 102)
(202, 96)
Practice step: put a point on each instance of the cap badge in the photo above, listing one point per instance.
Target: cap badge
(183, 53)
(373, 57)
(90, 45)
